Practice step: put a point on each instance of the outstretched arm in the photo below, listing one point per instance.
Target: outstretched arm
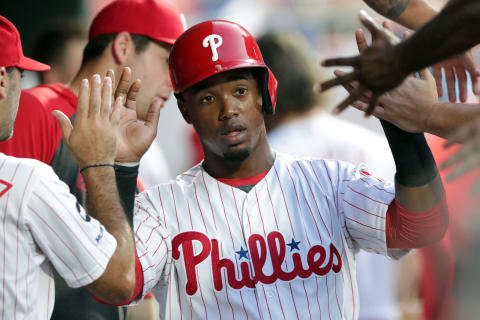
(92, 141)
(451, 32)
(414, 14)
(409, 13)
(384, 65)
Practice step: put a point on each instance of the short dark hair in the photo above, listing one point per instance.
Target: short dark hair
(97, 45)
(9, 70)
(288, 58)
(50, 45)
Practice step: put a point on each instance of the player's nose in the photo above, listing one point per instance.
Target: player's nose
(229, 108)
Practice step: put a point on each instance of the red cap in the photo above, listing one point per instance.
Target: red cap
(11, 53)
(155, 19)
(217, 46)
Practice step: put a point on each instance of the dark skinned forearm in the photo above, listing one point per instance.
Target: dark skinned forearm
(451, 32)
(409, 13)
(117, 282)
(421, 198)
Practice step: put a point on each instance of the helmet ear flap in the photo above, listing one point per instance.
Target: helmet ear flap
(269, 91)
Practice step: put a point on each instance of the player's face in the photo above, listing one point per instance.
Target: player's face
(226, 111)
(151, 66)
(11, 88)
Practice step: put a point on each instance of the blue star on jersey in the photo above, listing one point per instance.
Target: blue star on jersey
(293, 245)
(242, 253)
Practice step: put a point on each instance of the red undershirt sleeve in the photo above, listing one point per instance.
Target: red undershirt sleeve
(406, 229)
(138, 286)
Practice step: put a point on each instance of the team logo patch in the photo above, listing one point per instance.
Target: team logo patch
(82, 212)
(4, 187)
(317, 260)
(213, 41)
(100, 235)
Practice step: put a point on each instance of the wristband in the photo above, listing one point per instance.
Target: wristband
(96, 165)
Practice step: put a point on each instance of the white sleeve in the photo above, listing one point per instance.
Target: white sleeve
(78, 246)
(364, 201)
(152, 242)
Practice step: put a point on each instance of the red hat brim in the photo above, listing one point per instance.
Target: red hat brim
(31, 65)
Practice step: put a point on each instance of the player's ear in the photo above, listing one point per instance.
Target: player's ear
(182, 106)
(3, 83)
(122, 47)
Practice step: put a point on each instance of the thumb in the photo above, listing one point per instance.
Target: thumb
(65, 124)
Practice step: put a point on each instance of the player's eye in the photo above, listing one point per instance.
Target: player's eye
(208, 99)
(241, 91)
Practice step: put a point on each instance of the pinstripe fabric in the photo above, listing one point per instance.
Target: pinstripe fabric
(284, 250)
(42, 227)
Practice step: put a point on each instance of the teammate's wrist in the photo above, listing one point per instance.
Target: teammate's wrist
(95, 165)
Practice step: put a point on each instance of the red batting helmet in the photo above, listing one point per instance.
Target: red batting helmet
(216, 46)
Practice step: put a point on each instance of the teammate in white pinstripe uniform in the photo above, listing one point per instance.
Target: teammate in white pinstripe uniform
(250, 233)
(42, 224)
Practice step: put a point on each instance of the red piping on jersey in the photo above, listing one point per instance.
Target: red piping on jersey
(407, 229)
(137, 292)
(240, 182)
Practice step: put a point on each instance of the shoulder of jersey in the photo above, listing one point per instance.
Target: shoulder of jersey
(41, 168)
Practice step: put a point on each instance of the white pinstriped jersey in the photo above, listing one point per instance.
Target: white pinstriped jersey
(284, 250)
(42, 225)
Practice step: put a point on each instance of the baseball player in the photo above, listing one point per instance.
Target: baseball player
(251, 233)
(43, 226)
(126, 33)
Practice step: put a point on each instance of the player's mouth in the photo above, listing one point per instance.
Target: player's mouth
(233, 134)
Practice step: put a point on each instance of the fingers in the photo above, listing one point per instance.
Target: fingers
(111, 75)
(361, 40)
(387, 25)
(65, 124)
(153, 114)
(369, 23)
(437, 74)
(450, 79)
(372, 105)
(471, 66)
(95, 96)
(131, 102)
(475, 85)
(116, 111)
(106, 103)
(462, 83)
(82, 104)
(463, 133)
(362, 106)
(354, 96)
(424, 74)
(351, 86)
(349, 61)
(346, 78)
(124, 84)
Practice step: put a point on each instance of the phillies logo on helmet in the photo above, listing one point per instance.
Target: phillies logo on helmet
(213, 41)
(317, 259)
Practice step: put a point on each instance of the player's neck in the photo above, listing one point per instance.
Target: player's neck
(260, 160)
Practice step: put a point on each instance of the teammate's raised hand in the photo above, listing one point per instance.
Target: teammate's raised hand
(134, 136)
(456, 68)
(93, 137)
(376, 68)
